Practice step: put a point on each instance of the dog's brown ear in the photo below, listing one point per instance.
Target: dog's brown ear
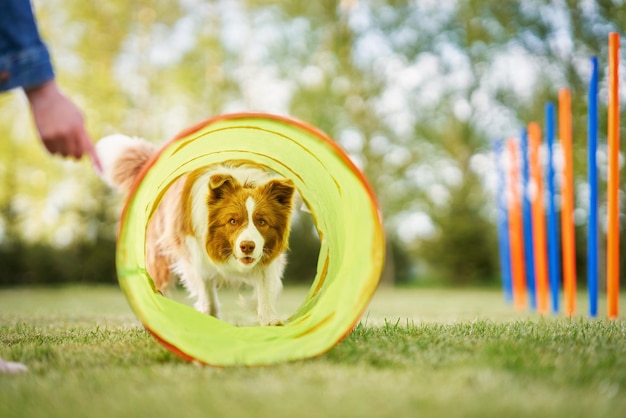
(281, 191)
(220, 185)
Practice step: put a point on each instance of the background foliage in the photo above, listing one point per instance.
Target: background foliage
(415, 91)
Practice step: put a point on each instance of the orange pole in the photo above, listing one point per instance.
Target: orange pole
(612, 279)
(539, 219)
(567, 203)
(516, 231)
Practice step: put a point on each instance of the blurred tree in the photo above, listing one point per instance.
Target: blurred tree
(414, 91)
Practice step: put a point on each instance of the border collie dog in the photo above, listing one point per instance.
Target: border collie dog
(226, 223)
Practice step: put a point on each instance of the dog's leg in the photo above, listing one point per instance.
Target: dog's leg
(205, 292)
(202, 290)
(268, 290)
(197, 289)
(207, 301)
(202, 303)
(214, 303)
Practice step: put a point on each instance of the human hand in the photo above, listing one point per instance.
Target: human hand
(60, 123)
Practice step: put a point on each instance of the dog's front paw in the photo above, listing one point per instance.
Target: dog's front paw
(207, 310)
(270, 321)
(201, 306)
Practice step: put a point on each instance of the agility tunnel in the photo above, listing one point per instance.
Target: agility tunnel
(345, 213)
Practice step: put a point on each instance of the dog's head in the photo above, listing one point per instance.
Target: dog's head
(248, 223)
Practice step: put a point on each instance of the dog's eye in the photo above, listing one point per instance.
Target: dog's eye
(232, 221)
(260, 222)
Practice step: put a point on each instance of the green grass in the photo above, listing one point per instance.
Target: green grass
(432, 353)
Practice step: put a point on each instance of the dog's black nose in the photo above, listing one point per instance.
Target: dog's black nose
(247, 247)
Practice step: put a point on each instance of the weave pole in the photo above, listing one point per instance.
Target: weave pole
(527, 218)
(592, 227)
(612, 279)
(516, 232)
(567, 203)
(553, 237)
(539, 220)
(503, 221)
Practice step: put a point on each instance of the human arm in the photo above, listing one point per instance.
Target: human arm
(25, 63)
(24, 58)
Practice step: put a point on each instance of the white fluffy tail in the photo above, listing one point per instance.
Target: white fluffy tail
(122, 158)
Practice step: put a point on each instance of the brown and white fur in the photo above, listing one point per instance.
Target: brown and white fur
(227, 223)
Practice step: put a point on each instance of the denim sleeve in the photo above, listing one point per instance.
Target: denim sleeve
(24, 58)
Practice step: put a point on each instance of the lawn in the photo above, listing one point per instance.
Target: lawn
(417, 352)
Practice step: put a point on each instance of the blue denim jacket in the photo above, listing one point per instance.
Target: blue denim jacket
(24, 58)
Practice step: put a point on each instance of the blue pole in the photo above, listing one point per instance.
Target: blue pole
(553, 237)
(503, 222)
(529, 241)
(592, 240)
